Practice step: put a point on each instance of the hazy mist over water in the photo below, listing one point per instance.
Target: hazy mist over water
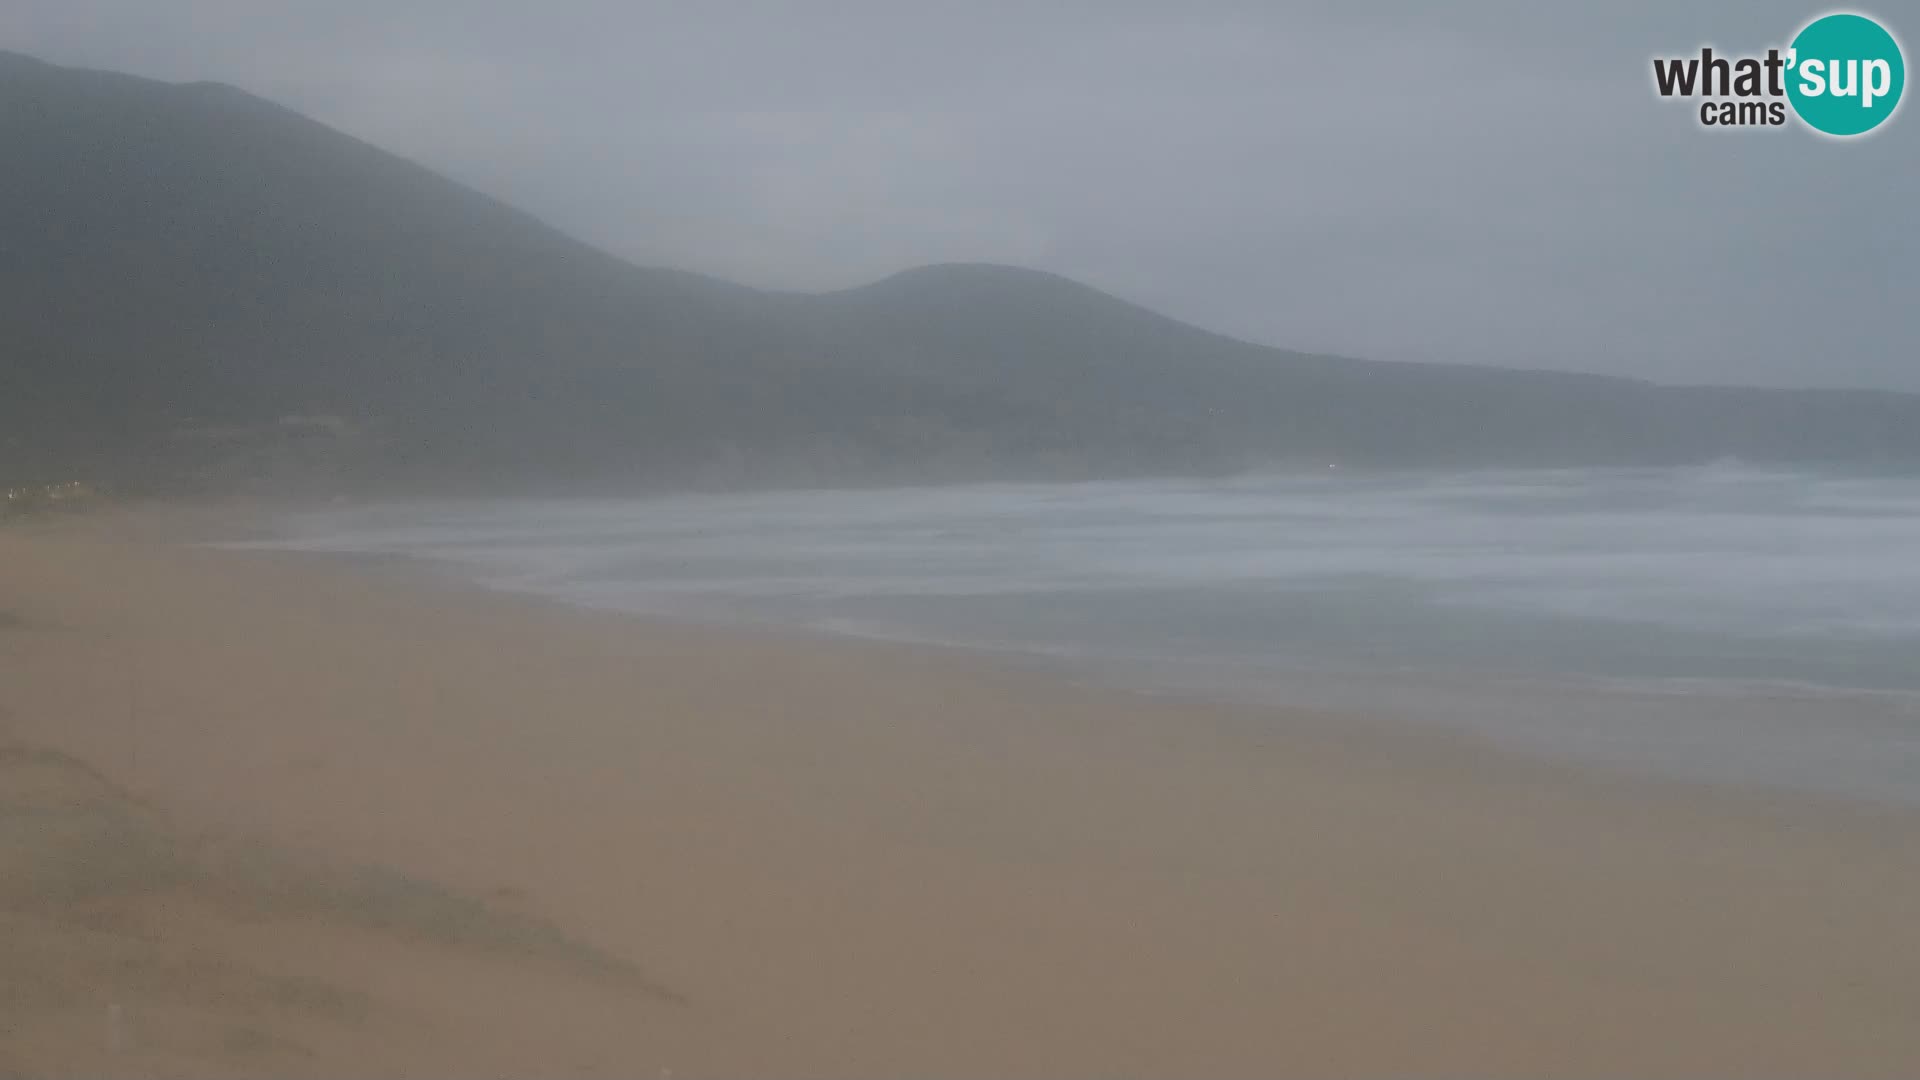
(1728, 622)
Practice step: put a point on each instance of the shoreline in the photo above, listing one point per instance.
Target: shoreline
(816, 856)
(1626, 727)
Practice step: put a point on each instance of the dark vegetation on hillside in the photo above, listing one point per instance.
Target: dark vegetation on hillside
(203, 289)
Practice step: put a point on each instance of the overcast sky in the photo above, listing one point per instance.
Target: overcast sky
(1479, 181)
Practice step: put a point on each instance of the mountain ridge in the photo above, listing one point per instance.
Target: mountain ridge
(186, 258)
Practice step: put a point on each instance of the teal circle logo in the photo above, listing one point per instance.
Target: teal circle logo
(1845, 74)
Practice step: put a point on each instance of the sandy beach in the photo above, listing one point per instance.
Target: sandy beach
(272, 814)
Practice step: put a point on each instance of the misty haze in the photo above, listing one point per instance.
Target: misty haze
(922, 539)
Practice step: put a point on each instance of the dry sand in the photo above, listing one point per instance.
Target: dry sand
(262, 814)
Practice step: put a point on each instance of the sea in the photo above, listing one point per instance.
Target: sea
(1726, 623)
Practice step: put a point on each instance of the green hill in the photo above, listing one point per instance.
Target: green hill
(201, 287)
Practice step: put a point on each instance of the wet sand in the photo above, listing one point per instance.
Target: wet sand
(274, 814)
